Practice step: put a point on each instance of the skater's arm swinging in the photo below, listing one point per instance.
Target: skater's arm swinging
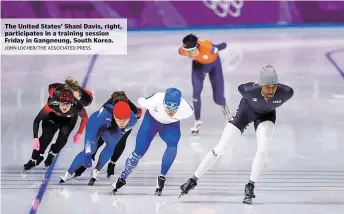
(52, 89)
(137, 111)
(147, 102)
(288, 92)
(84, 119)
(216, 48)
(246, 89)
(186, 109)
(86, 97)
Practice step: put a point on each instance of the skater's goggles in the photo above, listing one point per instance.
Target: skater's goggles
(171, 106)
(190, 49)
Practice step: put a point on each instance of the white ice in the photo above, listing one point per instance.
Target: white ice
(305, 169)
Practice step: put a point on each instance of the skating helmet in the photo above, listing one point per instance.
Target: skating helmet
(190, 42)
(66, 96)
(172, 98)
(121, 110)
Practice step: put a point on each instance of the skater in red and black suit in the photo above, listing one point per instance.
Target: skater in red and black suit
(61, 114)
(115, 97)
(84, 96)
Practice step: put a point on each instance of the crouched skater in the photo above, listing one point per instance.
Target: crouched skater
(110, 123)
(119, 149)
(258, 105)
(60, 114)
(163, 115)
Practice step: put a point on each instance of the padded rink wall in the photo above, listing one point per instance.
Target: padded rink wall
(177, 15)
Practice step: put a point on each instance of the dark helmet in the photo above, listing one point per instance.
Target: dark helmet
(66, 96)
(190, 41)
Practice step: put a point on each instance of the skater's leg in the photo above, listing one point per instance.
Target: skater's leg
(65, 129)
(230, 135)
(264, 126)
(171, 135)
(145, 135)
(85, 157)
(217, 84)
(117, 154)
(80, 159)
(77, 162)
(100, 144)
(197, 77)
(120, 147)
(82, 168)
(111, 139)
(49, 128)
(66, 126)
(228, 139)
(227, 142)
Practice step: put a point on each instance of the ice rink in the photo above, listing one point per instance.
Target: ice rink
(305, 169)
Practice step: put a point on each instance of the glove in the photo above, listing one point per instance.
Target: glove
(35, 144)
(139, 113)
(77, 138)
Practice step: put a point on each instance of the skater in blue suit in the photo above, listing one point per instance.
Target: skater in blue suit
(163, 115)
(110, 122)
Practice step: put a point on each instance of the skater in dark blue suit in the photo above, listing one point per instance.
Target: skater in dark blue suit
(111, 123)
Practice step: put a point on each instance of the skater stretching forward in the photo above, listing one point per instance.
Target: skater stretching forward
(205, 60)
(115, 97)
(60, 114)
(163, 115)
(110, 122)
(84, 96)
(258, 106)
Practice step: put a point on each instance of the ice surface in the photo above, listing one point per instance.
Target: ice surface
(304, 173)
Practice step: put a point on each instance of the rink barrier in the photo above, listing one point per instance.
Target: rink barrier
(334, 63)
(47, 176)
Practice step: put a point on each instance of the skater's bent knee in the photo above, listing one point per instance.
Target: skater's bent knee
(219, 151)
(262, 150)
(214, 153)
(219, 100)
(136, 155)
(171, 149)
(262, 154)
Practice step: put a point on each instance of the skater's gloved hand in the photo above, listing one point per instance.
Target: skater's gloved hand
(35, 144)
(139, 112)
(77, 138)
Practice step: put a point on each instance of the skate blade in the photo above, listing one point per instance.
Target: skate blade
(182, 193)
(23, 173)
(195, 133)
(158, 193)
(247, 201)
(113, 192)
